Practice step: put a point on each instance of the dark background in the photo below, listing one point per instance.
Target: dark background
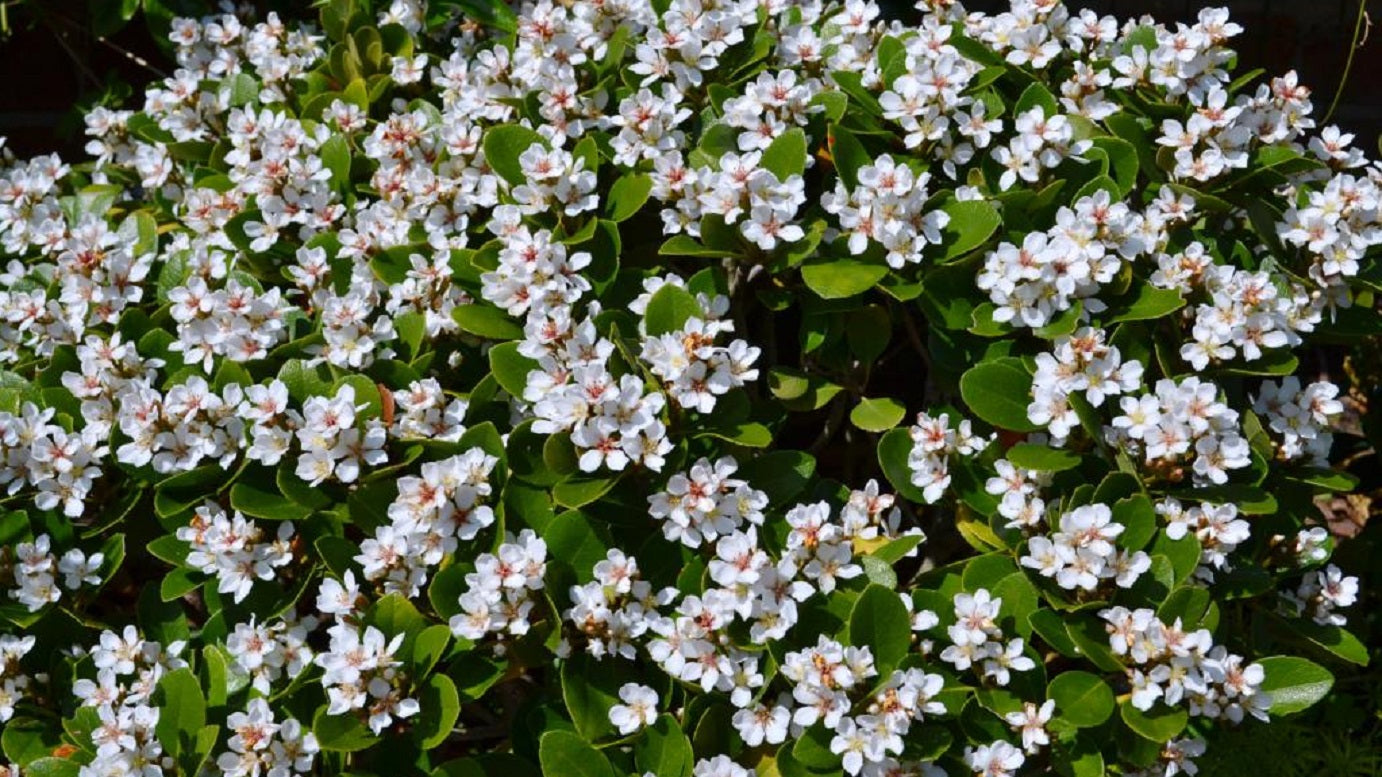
(51, 61)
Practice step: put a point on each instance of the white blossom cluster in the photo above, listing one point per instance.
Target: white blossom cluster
(498, 597)
(1082, 554)
(1182, 423)
(1032, 284)
(423, 411)
(15, 684)
(771, 104)
(1042, 142)
(1320, 593)
(1019, 495)
(61, 466)
(887, 206)
(706, 502)
(260, 745)
(1339, 223)
(1302, 416)
(611, 421)
(742, 188)
(360, 674)
(694, 371)
(1247, 315)
(823, 678)
(977, 641)
(1085, 363)
(929, 89)
(434, 512)
(128, 668)
(1175, 667)
(933, 443)
(233, 551)
(269, 651)
(1217, 527)
(35, 570)
(235, 322)
(615, 608)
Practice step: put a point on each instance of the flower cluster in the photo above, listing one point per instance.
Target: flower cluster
(694, 371)
(1082, 554)
(933, 443)
(1302, 416)
(1218, 529)
(977, 641)
(1321, 592)
(359, 673)
(706, 502)
(1173, 665)
(232, 551)
(35, 570)
(434, 512)
(1082, 363)
(887, 206)
(498, 598)
(128, 669)
(261, 745)
(1182, 422)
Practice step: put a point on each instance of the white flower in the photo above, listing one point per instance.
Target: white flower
(638, 710)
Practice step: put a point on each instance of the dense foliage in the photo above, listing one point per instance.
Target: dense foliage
(470, 389)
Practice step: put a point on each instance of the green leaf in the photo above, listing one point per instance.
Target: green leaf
(487, 321)
(579, 490)
(503, 145)
(971, 224)
(1082, 699)
(182, 709)
(877, 415)
(1123, 163)
(440, 708)
(664, 749)
(1340, 642)
(669, 309)
(842, 277)
(341, 733)
(627, 196)
(779, 474)
(510, 368)
(880, 622)
(1037, 95)
(487, 12)
(25, 740)
(335, 155)
(1041, 458)
(429, 647)
(1159, 724)
(1294, 683)
(849, 156)
(999, 392)
(685, 245)
(1148, 303)
(564, 753)
(53, 767)
(786, 155)
(1138, 517)
(259, 502)
(589, 688)
(1079, 757)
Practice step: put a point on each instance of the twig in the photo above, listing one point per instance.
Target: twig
(1361, 28)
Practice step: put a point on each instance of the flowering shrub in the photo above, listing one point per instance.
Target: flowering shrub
(572, 389)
